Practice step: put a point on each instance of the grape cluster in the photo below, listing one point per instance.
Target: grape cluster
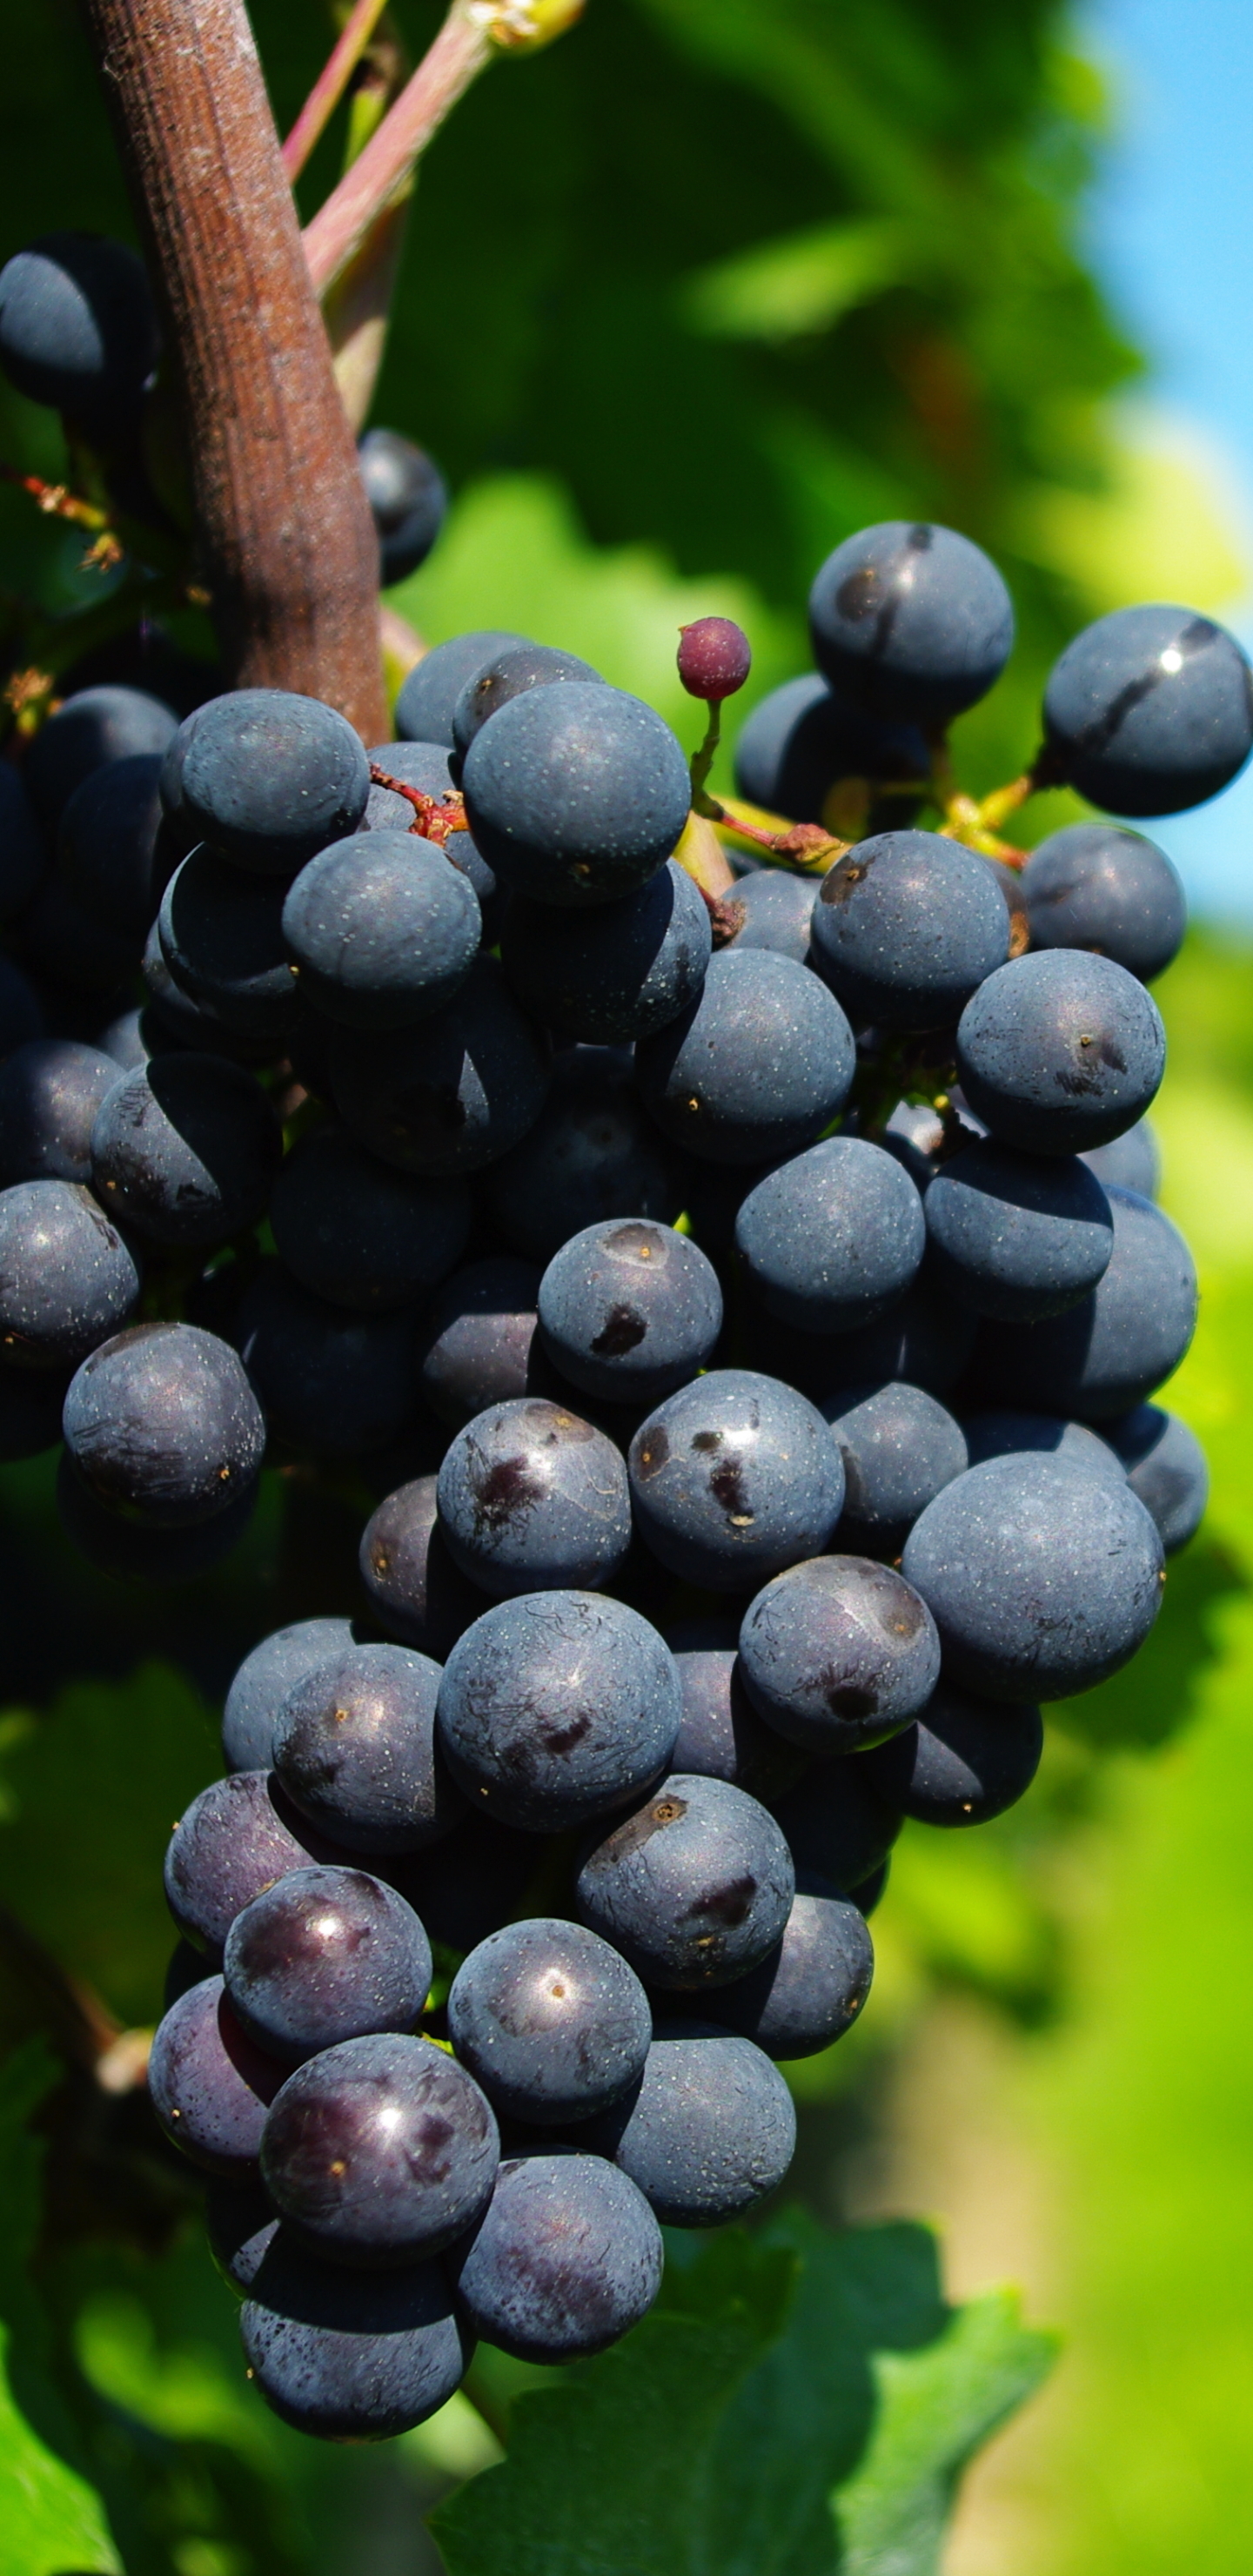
(747, 1305)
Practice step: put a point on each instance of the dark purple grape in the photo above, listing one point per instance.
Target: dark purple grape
(837, 1825)
(1059, 1050)
(380, 2151)
(838, 1653)
(720, 1734)
(576, 795)
(709, 2129)
(50, 1090)
(998, 1435)
(263, 1682)
(408, 500)
(1018, 1236)
(354, 1747)
(614, 974)
(162, 1423)
(550, 2020)
(325, 1955)
(802, 741)
(1166, 1470)
(267, 777)
(532, 1498)
(557, 1708)
(416, 1590)
(962, 1761)
(906, 927)
(236, 1838)
(381, 929)
(67, 1277)
(112, 856)
(568, 2258)
(351, 2356)
(830, 1240)
(900, 1448)
(591, 1155)
(629, 1311)
(694, 1888)
(470, 1883)
(186, 1149)
(756, 1068)
(210, 2085)
(425, 705)
(221, 935)
(453, 1092)
(359, 1234)
(336, 1381)
(506, 674)
(475, 1348)
(910, 621)
(1092, 886)
(78, 330)
(734, 1478)
(810, 1989)
(1119, 1344)
(90, 728)
(777, 909)
(1149, 710)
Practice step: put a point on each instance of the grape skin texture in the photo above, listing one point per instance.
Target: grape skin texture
(267, 777)
(1060, 1050)
(354, 1747)
(1092, 886)
(451, 1093)
(77, 328)
(351, 2356)
(833, 1237)
(733, 1478)
(210, 2085)
(910, 621)
(1149, 710)
(380, 2151)
(424, 708)
(810, 1989)
(777, 912)
(963, 1761)
(359, 1234)
(556, 1708)
(926, 1337)
(576, 795)
(241, 2227)
(67, 1278)
(263, 1682)
(997, 1435)
(1018, 1236)
(532, 1498)
(416, 1591)
(221, 935)
(801, 739)
(568, 2259)
(408, 500)
(709, 2130)
(186, 1150)
(629, 1312)
(237, 1837)
(615, 974)
(838, 1652)
(550, 2021)
(111, 856)
(714, 657)
(382, 929)
(906, 927)
(325, 1955)
(476, 1345)
(1133, 1161)
(90, 728)
(900, 1447)
(161, 1421)
(50, 1090)
(694, 1888)
(505, 675)
(1165, 1467)
(1110, 1352)
(753, 1069)
(1042, 1578)
(720, 1734)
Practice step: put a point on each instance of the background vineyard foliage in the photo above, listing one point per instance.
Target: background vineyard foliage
(685, 300)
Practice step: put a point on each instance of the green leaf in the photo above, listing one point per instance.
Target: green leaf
(51, 2518)
(750, 2425)
(802, 283)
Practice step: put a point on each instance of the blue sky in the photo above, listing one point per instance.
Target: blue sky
(1170, 231)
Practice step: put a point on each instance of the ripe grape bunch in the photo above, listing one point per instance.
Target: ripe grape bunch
(744, 1290)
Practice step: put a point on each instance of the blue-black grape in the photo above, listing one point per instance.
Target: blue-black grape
(382, 929)
(425, 704)
(755, 1068)
(507, 673)
(906, 927)
(999, 1435)
(720, 1733)
(533, 1499)
(50, 1090)
(210, 2085)
(593, 1153)
(241, 2227)
(900, 1447)
(557, 1708)
(799, 742)
(267, 777)
(408, 500)
(550, 2021)
(1165, 1467)
(694, 1887)
(111, 854)
(221, 935)
(78, 330)
(616, 973)
(838, 1653)
(356, 1232)
(476, 1347)
(171, 1020)
(629, 1311)
(186, 1149)
(90, 727)
(263, 1682)
(837, 1824)
(1060, 1050)
(325, 1955)
(21, 844)
(333, 1381)
(162, 1423)
(811, 1987)
(1018, 1236)
(1149, 710)
(351, 2356)
(925, 1338)
(417, 1592)
(708, 2131)
(1041, 1577)
(832, 1238)
(568, 2258)
(734, 1478)
(1092, 886)
(355, 1750)
(1119, 1345)
(380, 2151)
(452, 1093)
(910, 621)
(67, 1277)
(963, 1760)
(237, 1837)
(776, 912)
(576, 795)
(1132, 1161)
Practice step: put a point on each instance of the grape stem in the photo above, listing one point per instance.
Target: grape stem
(459, 53)
(56, 500)
(330, 85)
(434, 818)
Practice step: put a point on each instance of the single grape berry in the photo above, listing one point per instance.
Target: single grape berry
(78, 330)
(354, 1748)
(186, 1149)
(755, 1068)
(962, 1761)
(416, 1591)
(221, 935)
(50, 1091)
(550, 2021)
(1092, 886)
(506, 674)
(733, 1478)
(1132, 1161)
(1166, 1469)
(838, 1653)
(576, 795)
(709, 2129)
(532, 1498)
(811, 1987)
(1041, 1577)
(557, 1708)
(408, 500)
(381, 929)
(910, 621)
(614, 974)
(900, 1447)
(629, 1312)
(905, 929)
(325, 1955)
(777, 911)
(162, 1422)
(112, 856)
(593, 1153)
(210, 2085)
(263, 1682)
(1149, 710)
(1119, 1344)
(267, 777)
(67, 1277)
(351, 2356)
(720, 1734)
(567, 2260)
(694, 1888)
(336, 1382)
(354, 1231)
(237, 1837)
(452, 1092)
(91, 728)
(714, 657)
(1060, 1050)
(424, 708)
(1018, 1236)
(831, 1239)
(475, 1348)
(380, 2151)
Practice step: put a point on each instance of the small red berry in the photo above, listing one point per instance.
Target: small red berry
(715, 657)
